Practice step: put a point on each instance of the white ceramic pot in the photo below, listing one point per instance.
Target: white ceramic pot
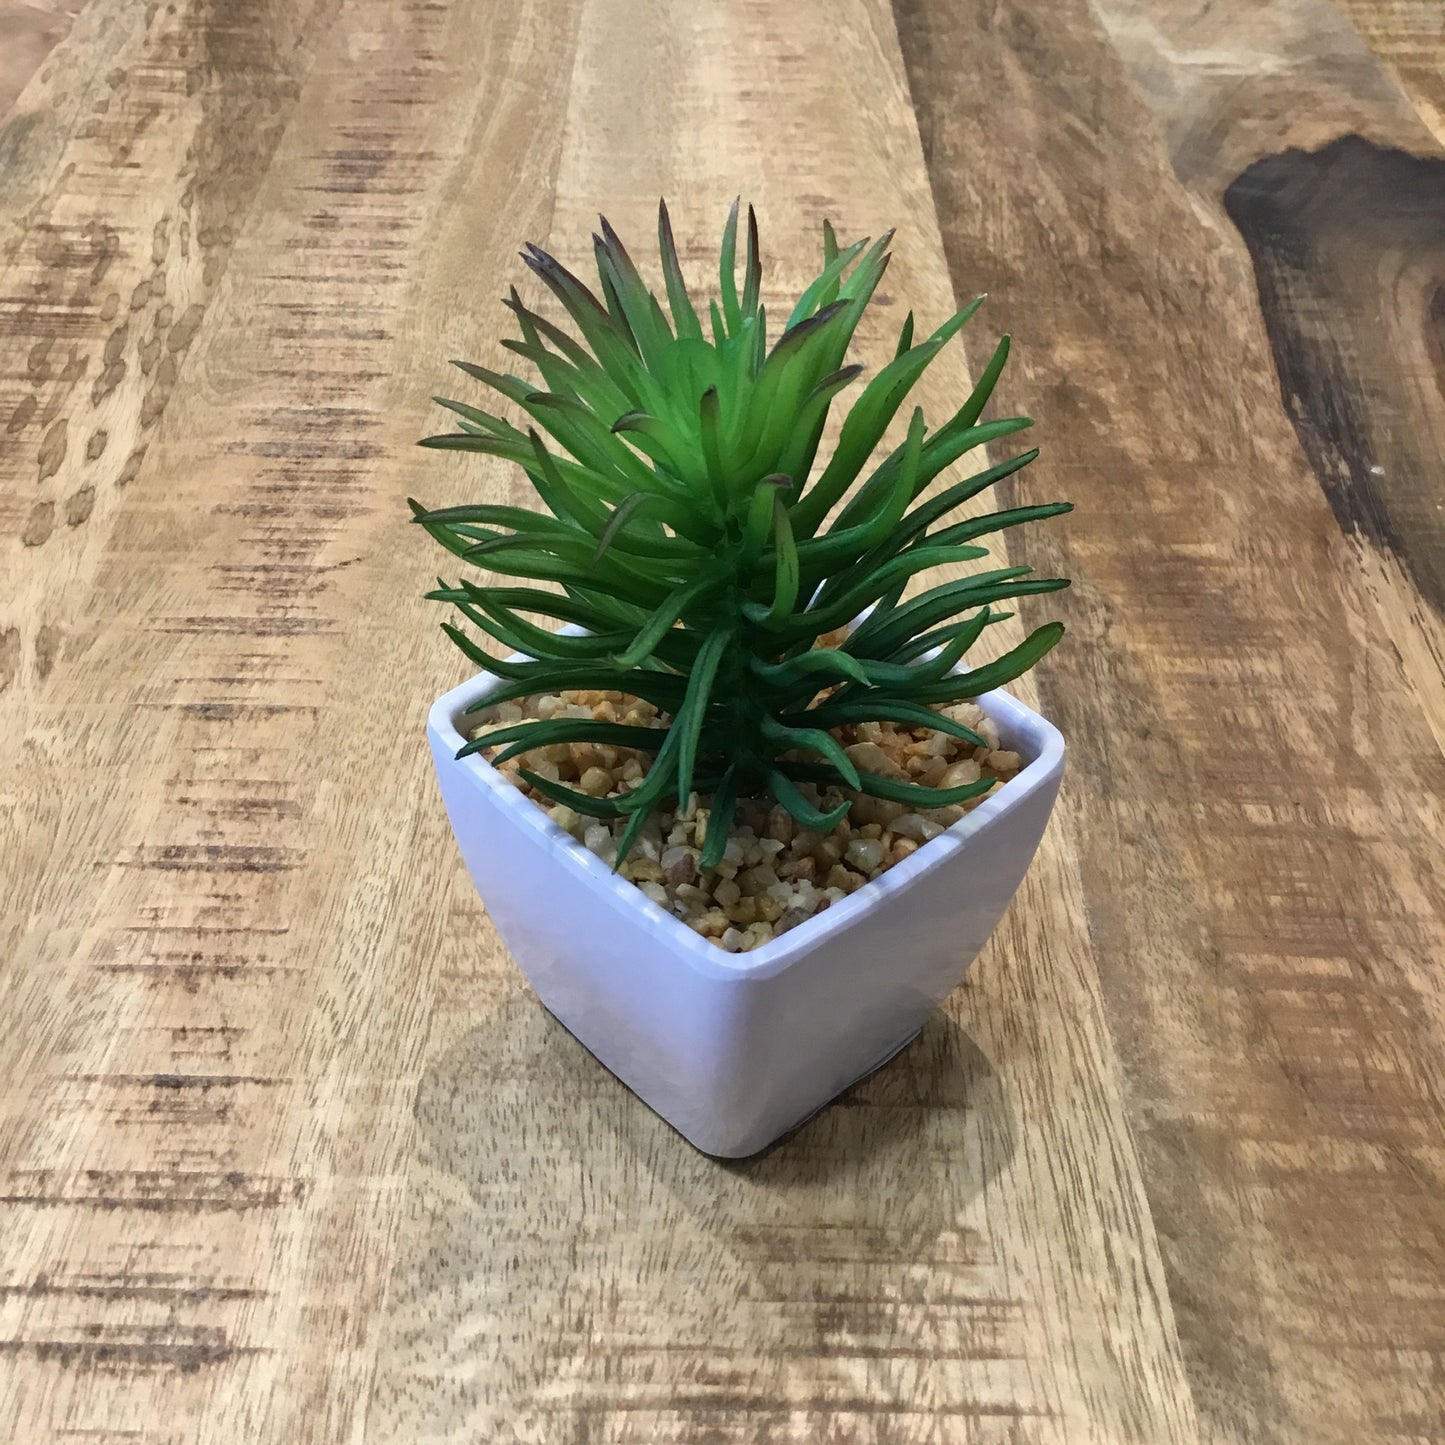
(734, 1050)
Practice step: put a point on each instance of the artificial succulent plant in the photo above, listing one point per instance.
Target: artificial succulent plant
(704, 562)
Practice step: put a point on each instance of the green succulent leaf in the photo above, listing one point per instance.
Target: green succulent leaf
(695, 553)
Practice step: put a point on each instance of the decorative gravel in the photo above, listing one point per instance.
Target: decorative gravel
(774, 875)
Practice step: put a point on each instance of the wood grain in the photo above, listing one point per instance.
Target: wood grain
(288, 1153)
(1258, 796)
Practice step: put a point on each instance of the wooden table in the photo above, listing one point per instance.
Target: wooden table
(288, 1153)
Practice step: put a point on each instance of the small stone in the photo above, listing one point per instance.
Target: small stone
(838, 880)
(870, 758)
(1001, 760)
(732, 940)
(902, 848)
(727, 892)
(791, 919)
(759, 879)
(781, 826)
(714, 923)
(865, 854)
(916, 827)
(597, 838)
(656, 892)
(564, 817)
(679, 865)
(799, 868)
(961, 774)
(744, 911)
(596, 782)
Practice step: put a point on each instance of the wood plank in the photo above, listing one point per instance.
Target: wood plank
(29, 31)
(227, 867)
(1258, 791)
(960, 1252)
(130, 166)
(1409, 37)
(1284, 126)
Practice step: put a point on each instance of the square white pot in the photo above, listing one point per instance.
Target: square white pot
(734, 1050)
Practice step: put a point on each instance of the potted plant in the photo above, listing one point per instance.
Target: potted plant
(745, 818)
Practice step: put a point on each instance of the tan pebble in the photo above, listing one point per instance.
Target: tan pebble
(655, 891)
(596, 782)
(690, 894)
(871, 830)
(598, 837)
(770, 908)
(744, 911)
(799, 868)
(960, 774)
(870, 758)
(781, 825)
(868, 732)
(584, 756)
(547, 705)
(901, 849)
(564, 817)
(605, 712)
(647, 870)
(714, 923)
(732, 940)
(1001, 760)
(727, 893)
(828, 851)
(839, 878)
